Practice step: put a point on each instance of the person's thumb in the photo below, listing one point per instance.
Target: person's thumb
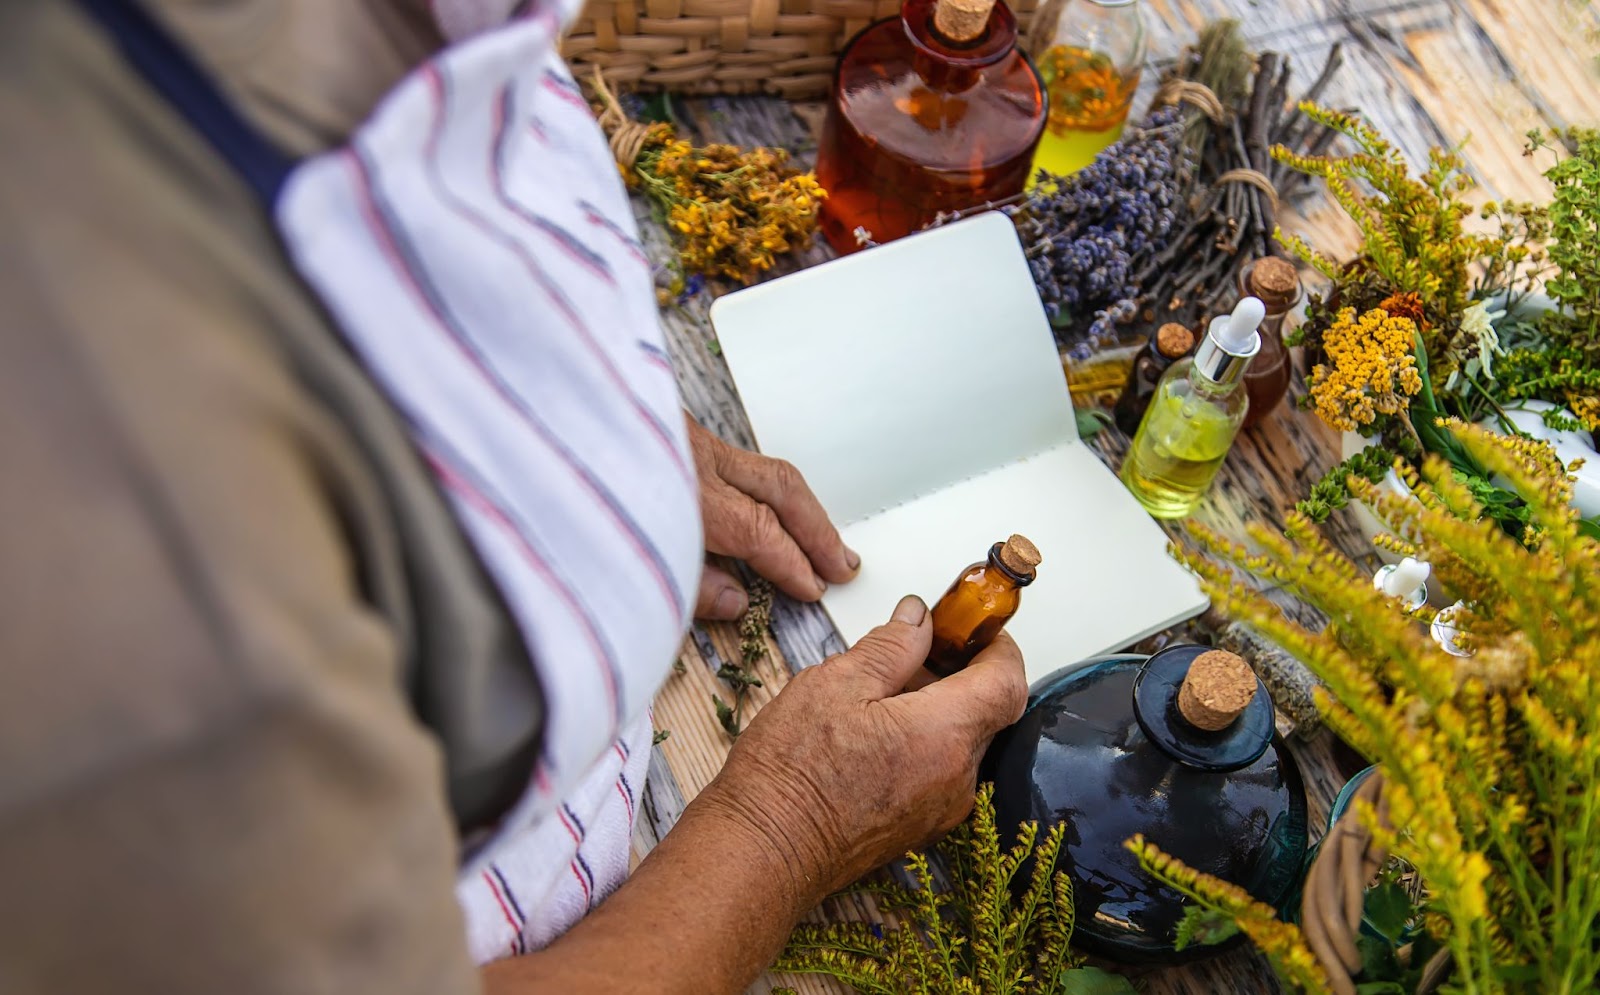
(883, 660)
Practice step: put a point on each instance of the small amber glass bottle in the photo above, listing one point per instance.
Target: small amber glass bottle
(934, 111)
(980, 603)
(1277, 283)
(1170, 343)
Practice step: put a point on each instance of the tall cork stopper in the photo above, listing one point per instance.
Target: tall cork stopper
(1020, 556)
(1275, 281)
(961, 20)
(1217, 689)
(1173, 340)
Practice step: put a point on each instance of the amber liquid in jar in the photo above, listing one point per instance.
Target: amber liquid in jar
(979, 604)
(918, 125)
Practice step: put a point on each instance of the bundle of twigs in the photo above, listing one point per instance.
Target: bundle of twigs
(1236, 188)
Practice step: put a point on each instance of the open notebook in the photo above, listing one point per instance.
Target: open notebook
(917, 387)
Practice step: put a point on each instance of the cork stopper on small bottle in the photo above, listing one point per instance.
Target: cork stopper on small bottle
(1020, 556)
(1275, 281)
(1217, 689)
(1173, 340)
(961, 20)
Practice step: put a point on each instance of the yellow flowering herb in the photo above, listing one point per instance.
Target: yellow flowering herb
(732, 212)
(1491, 762)
(1371, 369)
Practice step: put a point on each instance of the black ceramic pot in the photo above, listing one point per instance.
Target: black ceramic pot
(1104, 748)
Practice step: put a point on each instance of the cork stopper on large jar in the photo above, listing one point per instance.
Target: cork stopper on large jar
(1020, 556)
(962, 20)
(1275, 281)
(1217, 690)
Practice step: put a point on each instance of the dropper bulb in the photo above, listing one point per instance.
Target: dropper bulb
(1246, 318)
(1406, 577)
(1235, 334)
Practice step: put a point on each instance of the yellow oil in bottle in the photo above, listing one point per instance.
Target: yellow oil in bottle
(1176, 453)
(1089, 101)
(1099, 380)
(1069, 150)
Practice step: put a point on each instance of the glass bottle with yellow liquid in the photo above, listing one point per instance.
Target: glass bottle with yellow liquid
(1194, 416)
(1089, 53)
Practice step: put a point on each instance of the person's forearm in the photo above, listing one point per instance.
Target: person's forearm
(705, 912)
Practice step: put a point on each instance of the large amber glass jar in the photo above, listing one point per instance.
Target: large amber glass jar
(1089, 54)
(923, 120)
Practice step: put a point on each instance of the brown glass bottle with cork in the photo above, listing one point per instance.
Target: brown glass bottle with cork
(1276, 282)
(979, 604)
(1170, 343)
(934, 111)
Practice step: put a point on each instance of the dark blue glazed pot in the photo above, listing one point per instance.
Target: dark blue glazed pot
(1103, 748)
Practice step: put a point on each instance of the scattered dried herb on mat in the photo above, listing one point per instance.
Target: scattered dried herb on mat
(753, 627)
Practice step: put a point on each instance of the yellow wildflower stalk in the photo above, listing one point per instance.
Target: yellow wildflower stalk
(1283, 943)
(1492, 761)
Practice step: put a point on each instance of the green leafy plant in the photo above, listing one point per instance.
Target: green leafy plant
(1562, 365)
(1332, 492)
(977, 936)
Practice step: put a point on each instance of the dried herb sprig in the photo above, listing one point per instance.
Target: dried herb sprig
(754, 625)
(976, 937)
(1085, 234)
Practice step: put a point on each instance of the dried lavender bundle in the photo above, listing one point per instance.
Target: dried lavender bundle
(1088, 234)
(1235, 193)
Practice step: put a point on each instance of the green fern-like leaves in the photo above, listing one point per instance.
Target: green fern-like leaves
(1332, 492)
(974, 937)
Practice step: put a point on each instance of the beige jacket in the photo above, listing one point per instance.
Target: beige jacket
(252, 680)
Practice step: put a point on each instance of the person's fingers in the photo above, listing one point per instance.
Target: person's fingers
(881, 661)
(778, 485)
(738, 526)
(722, 598)
(990, 691)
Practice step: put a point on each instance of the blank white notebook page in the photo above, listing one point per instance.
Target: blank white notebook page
(917, 387)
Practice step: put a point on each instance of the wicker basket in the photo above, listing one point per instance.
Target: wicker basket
(1330, 907)
(782, 47)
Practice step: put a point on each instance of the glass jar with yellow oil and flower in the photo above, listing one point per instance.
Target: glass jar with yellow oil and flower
(1088, 53)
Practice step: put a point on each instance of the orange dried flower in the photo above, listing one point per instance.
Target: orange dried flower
(1406, 305)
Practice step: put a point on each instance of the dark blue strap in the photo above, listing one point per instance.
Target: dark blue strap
(174, 74)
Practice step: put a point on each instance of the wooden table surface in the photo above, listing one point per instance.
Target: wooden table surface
(1426, 72)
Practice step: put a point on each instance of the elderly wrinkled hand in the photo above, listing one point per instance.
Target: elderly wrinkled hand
(760, 510)
(844, 772)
